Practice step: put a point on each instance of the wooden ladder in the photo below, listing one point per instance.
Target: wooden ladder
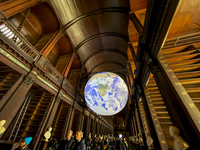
(160, 115)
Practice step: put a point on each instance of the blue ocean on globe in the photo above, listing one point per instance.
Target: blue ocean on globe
(106, 93)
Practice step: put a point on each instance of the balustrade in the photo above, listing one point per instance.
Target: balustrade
(9, 33)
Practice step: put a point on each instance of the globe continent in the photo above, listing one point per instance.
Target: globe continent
(106, 93)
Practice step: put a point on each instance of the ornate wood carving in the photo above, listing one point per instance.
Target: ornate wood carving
(28, 80)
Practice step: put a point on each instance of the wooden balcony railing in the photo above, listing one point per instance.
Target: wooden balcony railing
(8, 30)
(10, 34)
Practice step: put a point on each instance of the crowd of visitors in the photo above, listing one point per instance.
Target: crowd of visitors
(97, 143)
(77, 142)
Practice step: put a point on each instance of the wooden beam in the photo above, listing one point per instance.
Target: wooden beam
(52, 42)
(68, 65)
(12, 7)
(96, 12)
(136, 22)
(100, 35)
(132, 52)
(159, 18)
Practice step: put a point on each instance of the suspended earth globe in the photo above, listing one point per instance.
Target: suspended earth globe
(106, 93)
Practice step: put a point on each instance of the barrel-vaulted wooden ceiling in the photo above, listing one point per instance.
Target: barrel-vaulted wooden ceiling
(99, 31)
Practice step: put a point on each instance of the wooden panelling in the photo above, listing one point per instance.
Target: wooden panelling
(138, 4)
(64, 46)
(50, 23)
(52, 57)
(61, 62)
(43, 41)
(186, 19)
(32, 28)
(133, 34)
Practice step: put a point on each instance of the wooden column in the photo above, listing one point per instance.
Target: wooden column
(100, 132)
(135, 129)
(94, 128)
(13, 7)
(132, 52)
(97, 127)
(65, 130)
(129, 84)
(136, 23)
(103, 129)
(71, 117)
(14, 103)
(131, 71)
(132, 129)
(52, 42)
(46, 121)
(88, 127)
(79, 79)
(81, 121)
(52, 113)
(68, 65)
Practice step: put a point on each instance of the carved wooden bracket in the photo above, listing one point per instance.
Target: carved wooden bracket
(153, 67)
(28, 80)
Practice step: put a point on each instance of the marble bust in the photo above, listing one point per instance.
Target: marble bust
(47, 134)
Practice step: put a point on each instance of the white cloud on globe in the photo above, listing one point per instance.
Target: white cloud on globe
(106, 93)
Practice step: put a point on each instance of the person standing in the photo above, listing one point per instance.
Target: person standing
(79, 143)
(66, 143)
(89, 144)
(23, 144)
